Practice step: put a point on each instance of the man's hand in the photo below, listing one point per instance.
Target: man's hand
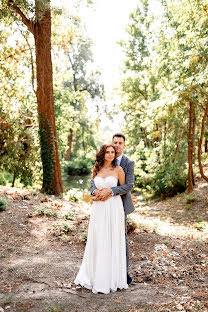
(102, 194)
(96, 197)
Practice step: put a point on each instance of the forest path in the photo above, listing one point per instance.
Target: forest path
(41, 251)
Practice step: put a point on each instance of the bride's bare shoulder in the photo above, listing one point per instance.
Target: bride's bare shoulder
(119, 169)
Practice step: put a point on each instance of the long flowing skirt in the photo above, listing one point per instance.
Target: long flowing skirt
(103, 268)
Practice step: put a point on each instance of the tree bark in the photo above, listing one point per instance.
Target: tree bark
(200, 143)
(45, 97)
(206, 145)
(190, 150)
(41, 29)
(68, 152)
(193, 142)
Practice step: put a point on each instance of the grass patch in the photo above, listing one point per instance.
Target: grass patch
(190, 198)
(3, 204)
(7, 299)
(61, 229)
(46, 212)
(69, 216)
(11, 269)
(58, 307)
(84, 236)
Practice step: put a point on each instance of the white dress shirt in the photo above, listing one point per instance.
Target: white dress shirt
(118, 159)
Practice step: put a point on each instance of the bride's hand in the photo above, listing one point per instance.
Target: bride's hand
(96, 196)
(102, 194)
(105, 194)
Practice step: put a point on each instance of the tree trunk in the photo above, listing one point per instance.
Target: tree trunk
(52, 181)
(190, 150)
(83, 140)
(206, 145)
(193, 142)
(14, 178)
(41, 29)
(68, 152)
(164, 139)
(200, 143)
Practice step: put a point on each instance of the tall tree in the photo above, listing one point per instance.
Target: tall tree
(165, 91)
(40, 27)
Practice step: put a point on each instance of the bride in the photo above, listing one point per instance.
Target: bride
(103, 268)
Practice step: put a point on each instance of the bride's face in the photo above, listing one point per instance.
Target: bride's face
(109, 154)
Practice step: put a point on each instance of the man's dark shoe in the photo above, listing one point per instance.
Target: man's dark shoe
(129, 279)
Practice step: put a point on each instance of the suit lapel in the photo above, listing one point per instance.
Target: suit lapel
(123, 162)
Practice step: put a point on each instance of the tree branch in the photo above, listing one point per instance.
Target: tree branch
(31, 59)
(25, 20)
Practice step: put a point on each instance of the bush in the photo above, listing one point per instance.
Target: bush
(169, 179)
(3, 204)
(2, 179)
(79, 166)
(165, 179)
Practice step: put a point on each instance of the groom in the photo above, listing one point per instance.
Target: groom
(123, 190)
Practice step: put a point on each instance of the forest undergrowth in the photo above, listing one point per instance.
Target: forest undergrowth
(43, 239)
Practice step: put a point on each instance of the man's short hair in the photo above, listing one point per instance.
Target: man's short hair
(120, 135)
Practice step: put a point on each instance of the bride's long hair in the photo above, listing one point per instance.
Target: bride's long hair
(99, 161)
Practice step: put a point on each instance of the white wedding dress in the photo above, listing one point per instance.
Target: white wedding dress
(103, 268)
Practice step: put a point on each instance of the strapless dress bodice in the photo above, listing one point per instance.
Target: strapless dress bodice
(106, 182)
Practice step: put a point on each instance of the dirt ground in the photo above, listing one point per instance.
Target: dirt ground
(43, 240)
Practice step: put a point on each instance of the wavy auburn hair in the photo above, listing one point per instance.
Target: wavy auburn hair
(99, 161)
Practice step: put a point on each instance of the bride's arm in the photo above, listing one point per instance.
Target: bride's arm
(121, 176)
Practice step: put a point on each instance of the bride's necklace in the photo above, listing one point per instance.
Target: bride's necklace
(107, 168)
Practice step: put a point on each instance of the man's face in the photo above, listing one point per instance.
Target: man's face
(120, 143)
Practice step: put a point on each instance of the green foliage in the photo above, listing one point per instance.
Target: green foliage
(2, 179)
(19, 154)
(47, 212)
(79, 166)
(3, 204)
(11, 269)
(190, 198)
(169, 179)
(61, 229)
(75, 86)
(7, 299)
(19, 146)
(84, 236)
(159, 177)
(69, 216)
(58, 307)
(165, 70)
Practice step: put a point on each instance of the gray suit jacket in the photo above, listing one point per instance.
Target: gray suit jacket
(125, 189)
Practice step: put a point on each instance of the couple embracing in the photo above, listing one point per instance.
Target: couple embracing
(106, 259)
